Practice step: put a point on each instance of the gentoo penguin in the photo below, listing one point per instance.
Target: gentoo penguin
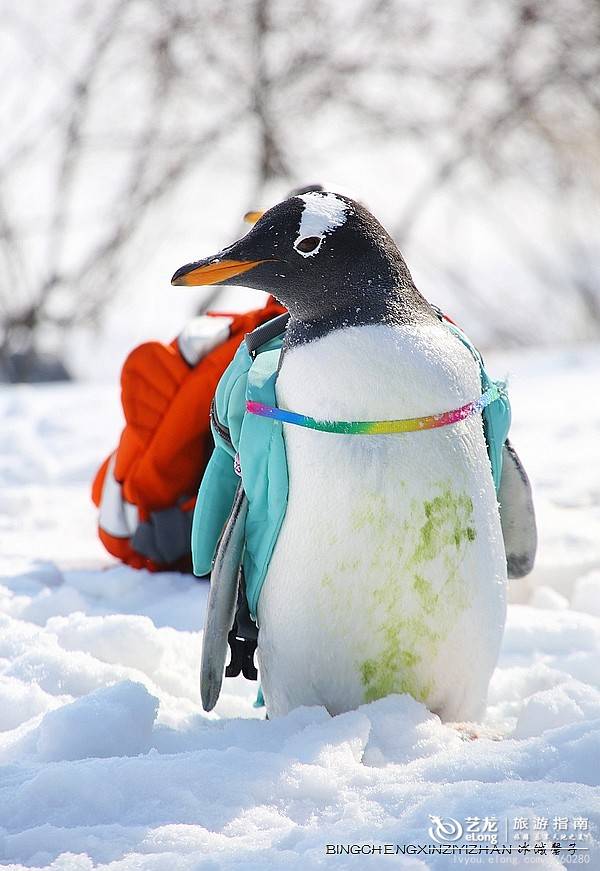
(389, 571)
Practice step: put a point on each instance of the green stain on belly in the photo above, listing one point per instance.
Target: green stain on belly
(409, 637)
(393, 670)
(424, 590)
(447, 523)
(373, 513)
(327, 581)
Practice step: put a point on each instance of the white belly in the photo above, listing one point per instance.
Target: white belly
(389, 571)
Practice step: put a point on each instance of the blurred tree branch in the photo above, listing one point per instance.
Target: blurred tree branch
(143, 95)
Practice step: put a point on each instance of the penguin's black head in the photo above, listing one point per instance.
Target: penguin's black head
(321, 254)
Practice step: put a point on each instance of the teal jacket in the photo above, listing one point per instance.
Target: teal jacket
(256, 444)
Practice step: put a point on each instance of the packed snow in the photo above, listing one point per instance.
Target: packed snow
(107, 760)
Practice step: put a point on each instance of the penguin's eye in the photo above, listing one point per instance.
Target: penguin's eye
(308, 244)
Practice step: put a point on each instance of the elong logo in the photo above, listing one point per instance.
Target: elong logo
(444, 829)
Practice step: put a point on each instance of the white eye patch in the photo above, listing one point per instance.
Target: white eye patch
(322, 213)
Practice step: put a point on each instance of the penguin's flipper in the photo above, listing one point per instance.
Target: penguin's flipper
(517, 514)
(222, 601)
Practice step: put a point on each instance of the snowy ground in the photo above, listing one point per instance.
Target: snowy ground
(106, 759)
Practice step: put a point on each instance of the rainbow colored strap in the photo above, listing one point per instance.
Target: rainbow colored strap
(380, 427)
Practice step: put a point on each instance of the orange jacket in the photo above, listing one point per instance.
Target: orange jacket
(146, 490)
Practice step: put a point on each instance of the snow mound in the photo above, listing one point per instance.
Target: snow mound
(560, 706)
(113, 721)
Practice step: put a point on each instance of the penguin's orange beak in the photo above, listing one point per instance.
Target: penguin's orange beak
(253, 217)
(201, 272)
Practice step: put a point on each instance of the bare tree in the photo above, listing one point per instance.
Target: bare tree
(145, 160)
(144, 94)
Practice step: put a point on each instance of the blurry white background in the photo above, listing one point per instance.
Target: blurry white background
(136, 134)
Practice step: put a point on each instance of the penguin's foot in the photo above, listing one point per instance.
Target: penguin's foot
(472, 731)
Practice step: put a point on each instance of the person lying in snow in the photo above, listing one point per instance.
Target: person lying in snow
(146, 489)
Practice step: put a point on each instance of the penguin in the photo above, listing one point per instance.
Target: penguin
(389, 571)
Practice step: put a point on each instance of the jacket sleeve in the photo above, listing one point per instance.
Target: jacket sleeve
(217, 490)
